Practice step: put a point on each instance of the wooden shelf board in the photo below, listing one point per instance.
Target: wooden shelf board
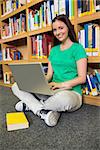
(91, 59)
(4, 17)
(86, 18)
(38, 31)
(15, 37)
(44, 60)
(94, 59)
(3, 84)
(14, 61)
(92, 100)
(72, 21)
(34, 3)
(0, 62)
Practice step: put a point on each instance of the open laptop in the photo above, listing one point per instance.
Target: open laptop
(30, 77)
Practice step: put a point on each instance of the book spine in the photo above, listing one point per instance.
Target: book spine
(86, 35)
(97, 75)
(67, 7)
(56, 4)
(93, 90)
(93, 36)
(79, 7)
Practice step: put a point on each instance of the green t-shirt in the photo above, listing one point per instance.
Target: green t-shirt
(64, 63)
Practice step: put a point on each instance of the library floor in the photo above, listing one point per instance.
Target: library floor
(79, 130)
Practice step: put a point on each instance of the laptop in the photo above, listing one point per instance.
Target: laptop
(30, 77)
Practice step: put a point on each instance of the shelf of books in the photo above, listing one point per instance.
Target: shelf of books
(14, 37)
(88, 18)
(12, 13)
(26, 35)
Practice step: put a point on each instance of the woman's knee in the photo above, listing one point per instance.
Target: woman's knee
(66, 101)
(73, 102)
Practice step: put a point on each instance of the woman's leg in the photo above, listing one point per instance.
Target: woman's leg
(50, 118)
(27, 98)
(63, 101)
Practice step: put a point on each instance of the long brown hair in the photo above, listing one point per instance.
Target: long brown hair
(71, 32)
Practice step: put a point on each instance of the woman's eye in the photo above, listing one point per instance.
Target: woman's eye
(61, 28)
(54, 30)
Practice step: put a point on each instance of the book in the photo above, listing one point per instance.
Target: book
(97, 75)
(1, 72)
(92, 88)
(93, 84)
(85, 5)
(96, 82)
(79, 7)
(16, 121)
(97, 5)
(62, 7)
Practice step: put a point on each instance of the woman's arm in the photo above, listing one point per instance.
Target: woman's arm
(82, 69)
(49, 72)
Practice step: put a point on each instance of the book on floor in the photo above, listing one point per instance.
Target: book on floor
(16, 121)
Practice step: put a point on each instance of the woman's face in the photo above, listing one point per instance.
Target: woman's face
(60, 30)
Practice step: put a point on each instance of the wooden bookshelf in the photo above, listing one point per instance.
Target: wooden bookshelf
(87, 18)
(6, 85)
(14, 61)
(25, 45)
(39, 31)
(92, 100)
(4, 17)
(92, 59)
(15, 37)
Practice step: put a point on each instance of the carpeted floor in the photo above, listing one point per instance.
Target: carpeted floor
(79, 130)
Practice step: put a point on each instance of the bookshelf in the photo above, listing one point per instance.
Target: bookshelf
(23, 43)
(93, 100)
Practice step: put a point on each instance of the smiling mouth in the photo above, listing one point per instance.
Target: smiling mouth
(59, 36)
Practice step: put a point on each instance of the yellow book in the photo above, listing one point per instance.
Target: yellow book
(16, 120)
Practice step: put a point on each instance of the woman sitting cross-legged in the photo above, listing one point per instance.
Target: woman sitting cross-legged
(67, 66)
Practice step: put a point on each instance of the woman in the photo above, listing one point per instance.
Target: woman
(66, 70)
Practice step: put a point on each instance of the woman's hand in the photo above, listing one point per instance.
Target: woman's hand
(55, 86)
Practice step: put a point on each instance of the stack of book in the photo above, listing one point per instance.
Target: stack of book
(89, 37)
(92, 86)
(11, 5)
(87, 7)
(41, 46)
(15, 26)
(11, 53)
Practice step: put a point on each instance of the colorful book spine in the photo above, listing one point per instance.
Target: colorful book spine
(97, 75)
(86, 35)
(56, 5)
(67, 7)
(92, 87)
(62, 7)
(79, 7)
